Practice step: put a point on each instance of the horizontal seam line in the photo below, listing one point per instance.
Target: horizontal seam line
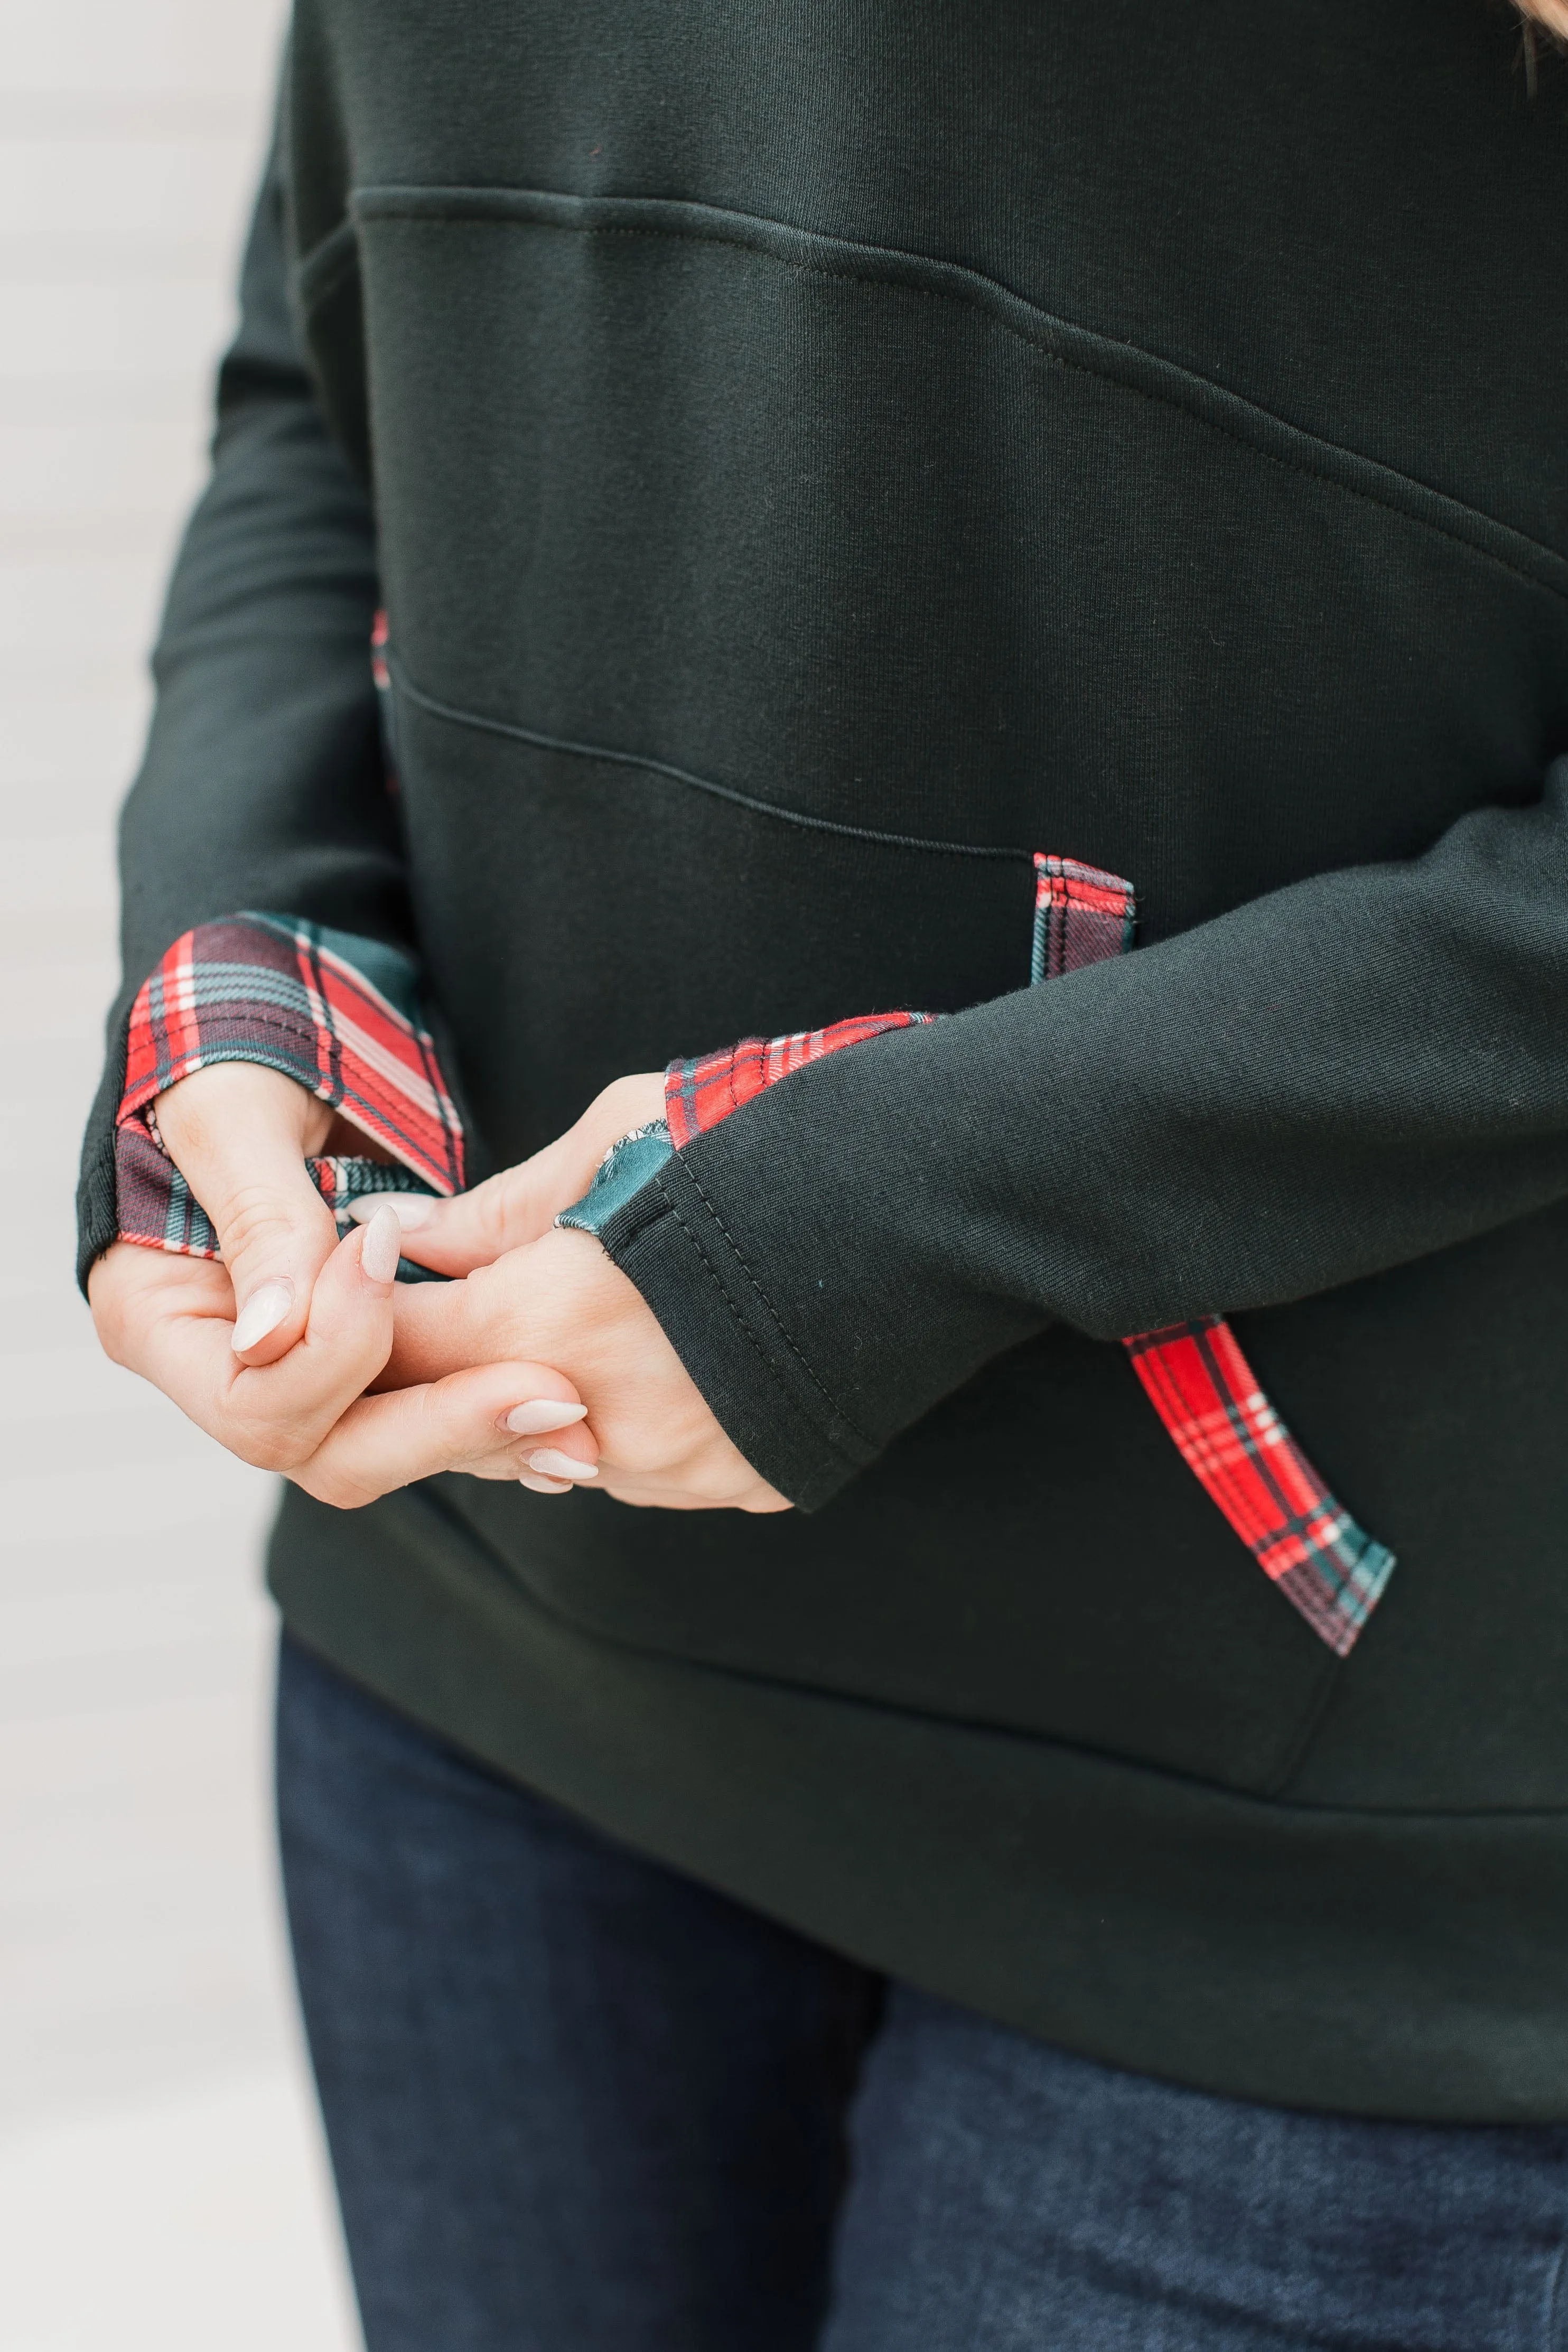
(646, 762)
(980, 290)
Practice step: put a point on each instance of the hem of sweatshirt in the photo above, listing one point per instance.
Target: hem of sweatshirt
(671, 1243)
(1384, 1963)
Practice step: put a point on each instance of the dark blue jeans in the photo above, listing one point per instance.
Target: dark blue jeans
(577, 2102)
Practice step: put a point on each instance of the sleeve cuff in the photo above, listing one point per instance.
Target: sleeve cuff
(337, 1014)
(668, 1240)
(660, 1229)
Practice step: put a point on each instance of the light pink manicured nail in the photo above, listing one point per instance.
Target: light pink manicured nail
(262, 1312)
(542, 1414)
(550, 1463)
(410, 1208)
(544, 1486)
(382, 1246)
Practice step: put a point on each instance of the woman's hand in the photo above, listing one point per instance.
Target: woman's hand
(557, 1297)
(172, 1319)
(270, 1351)
(560, 1300)
(317, 1321)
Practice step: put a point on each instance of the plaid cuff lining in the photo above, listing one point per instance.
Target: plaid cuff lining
(699, 1094)
(337, 1014)
(1195, 1375)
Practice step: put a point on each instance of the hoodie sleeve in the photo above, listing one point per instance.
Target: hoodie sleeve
(1333, 1079)
(264, 781)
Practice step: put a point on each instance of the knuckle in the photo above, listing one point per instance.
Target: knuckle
(271, 1449)
(250, 1218)
(505, 1203)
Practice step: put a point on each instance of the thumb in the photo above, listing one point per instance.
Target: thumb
(521, 1204)
(239, 1135)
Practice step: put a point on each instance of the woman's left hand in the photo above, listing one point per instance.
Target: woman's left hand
(559, 1300)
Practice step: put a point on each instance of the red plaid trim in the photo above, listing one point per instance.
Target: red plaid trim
(1231, 1438)
(337, 1014)
(1199, 1382)
(1082, 916)
(698, 1095)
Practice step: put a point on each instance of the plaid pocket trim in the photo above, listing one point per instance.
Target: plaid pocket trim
(337, 1014)
(1195, 1375)
(1082, 916)
(1248, 1462)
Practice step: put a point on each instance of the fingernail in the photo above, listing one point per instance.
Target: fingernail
(410, 1208)
(544, 1486)
(549, 1463)
(542, 1414)
(262, 1312)
(382, 1246)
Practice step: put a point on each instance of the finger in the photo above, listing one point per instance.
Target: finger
(460, 1423)
(239, 1135)
(170, 1318)
(276, 1416)
(522, 1203)
(443, 1327)
(506, 1212)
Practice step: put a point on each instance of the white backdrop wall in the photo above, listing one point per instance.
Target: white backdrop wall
(160, 2177)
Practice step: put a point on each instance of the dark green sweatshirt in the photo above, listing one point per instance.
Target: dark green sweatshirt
(804, 449)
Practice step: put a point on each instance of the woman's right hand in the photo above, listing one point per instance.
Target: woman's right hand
(271, 1350)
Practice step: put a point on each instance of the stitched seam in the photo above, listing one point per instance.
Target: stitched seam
(645, 764)
(1304, 1739)
(741, 1324)
(305, 1029)
(303, 1032)
(1155, 399)
(1038, 340)
(741, 1260)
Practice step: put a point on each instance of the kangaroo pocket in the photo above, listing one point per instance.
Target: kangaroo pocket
(756, 616)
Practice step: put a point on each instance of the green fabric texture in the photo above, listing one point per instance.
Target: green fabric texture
(814, 456)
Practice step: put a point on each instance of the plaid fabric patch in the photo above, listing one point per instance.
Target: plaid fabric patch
(698, 1095)
(337, 1014)
(1200, 1384)
(1230, 1436)
(1082, 916)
